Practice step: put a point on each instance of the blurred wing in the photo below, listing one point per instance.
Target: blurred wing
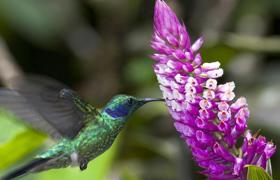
(40, 97)
(16, 104)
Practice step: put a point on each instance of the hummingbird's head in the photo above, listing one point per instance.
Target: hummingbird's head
(121, 106)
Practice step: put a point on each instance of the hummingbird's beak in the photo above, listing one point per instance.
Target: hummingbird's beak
(146, 100)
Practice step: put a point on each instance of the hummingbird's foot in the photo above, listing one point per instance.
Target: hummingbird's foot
(83, 165)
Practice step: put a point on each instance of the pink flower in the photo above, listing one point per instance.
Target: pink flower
(203, 111)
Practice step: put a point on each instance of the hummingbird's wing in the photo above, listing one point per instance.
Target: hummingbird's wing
(46, 104)
(18, 105)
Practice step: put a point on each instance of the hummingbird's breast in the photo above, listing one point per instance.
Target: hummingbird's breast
(94, 140)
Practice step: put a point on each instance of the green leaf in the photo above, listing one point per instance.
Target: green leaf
(257, 173)
(16, 141)
(20, 146)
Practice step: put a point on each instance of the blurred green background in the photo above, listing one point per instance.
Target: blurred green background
(101, 47)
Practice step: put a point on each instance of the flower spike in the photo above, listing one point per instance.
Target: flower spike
(203, 111)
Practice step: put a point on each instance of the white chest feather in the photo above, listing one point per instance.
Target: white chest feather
(75, 159)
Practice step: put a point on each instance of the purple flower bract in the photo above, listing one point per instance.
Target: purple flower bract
(204, 112)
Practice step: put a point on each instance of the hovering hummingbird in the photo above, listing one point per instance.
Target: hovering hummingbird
(83, 132)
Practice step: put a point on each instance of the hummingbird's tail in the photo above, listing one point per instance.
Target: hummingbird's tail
(25, 169)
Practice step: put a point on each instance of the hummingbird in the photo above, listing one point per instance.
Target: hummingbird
(82, 131)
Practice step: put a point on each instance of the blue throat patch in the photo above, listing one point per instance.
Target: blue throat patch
(119, 111)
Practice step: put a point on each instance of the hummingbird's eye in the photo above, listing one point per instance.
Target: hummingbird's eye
(130, 101)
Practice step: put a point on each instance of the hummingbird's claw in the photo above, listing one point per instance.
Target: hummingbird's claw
(83, 165)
